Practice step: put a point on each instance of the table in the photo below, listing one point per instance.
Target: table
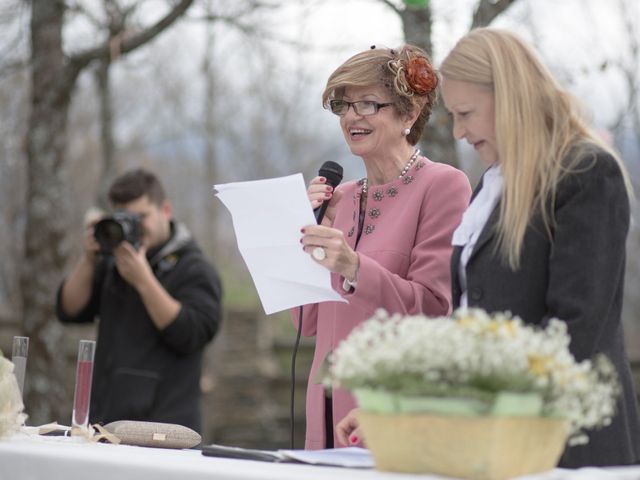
(34, 457)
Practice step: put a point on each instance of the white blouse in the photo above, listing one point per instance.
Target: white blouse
(474, 220)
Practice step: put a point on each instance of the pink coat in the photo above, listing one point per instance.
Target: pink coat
(404, 252)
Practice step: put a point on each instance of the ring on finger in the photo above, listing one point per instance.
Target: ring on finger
(319, 253)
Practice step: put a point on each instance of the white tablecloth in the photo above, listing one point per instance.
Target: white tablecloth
(24, 457)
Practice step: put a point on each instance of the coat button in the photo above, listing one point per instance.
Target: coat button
(475, 293)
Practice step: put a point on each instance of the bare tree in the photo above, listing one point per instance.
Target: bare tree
(417, 25)
(47, 246)
(243, 17)
(630, 70)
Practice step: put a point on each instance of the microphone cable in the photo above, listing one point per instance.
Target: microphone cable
(333, 172)
(293, 380)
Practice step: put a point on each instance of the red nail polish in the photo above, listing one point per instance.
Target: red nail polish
(327, 194)
(302, 230)
(353, 439)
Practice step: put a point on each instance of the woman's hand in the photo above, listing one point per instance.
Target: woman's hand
(339, 257)
(348, 430)
(319, 192)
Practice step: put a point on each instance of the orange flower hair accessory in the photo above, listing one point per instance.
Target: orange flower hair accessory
(420, 75)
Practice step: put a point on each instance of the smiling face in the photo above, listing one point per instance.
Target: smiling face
(472, 107)
(372, 135)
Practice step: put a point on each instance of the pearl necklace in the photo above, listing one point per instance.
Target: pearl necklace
(365, 182)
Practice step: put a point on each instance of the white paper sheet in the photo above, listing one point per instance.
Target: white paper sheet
(267, 218)
(352, 457)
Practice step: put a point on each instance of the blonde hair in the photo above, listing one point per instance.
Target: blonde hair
(388, 68)
(540, 131)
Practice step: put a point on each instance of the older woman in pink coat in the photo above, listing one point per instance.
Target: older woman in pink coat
(385, 238)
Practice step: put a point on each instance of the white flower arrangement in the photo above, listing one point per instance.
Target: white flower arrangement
(477, 358)
(11, 408)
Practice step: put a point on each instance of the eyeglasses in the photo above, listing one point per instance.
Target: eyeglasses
(363, 107)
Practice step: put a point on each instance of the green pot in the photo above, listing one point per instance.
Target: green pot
(379, 401)
(512, 404)
(505, 404)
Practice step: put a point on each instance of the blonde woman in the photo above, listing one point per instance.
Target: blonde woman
(544, 235)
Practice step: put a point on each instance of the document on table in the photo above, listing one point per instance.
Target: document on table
(267, 217)
(350, 457)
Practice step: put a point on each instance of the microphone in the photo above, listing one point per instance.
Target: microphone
(333, 173)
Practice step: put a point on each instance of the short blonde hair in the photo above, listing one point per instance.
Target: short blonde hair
(390, 68)
(537, 123)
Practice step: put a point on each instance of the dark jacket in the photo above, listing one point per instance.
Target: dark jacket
(140, 372)
(577, 275)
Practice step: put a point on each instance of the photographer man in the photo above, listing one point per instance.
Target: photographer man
(158, 301)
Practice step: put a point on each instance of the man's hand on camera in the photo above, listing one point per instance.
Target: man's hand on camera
(132, 264)
(135, 269)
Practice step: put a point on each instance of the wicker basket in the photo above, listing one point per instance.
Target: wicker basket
(478, 448)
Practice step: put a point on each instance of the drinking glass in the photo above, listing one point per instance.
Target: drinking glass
(19, 359)
(84, 375)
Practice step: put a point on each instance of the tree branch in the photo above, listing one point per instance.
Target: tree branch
(391, 6)
(81, 10)
(130, 44)
(488, 10)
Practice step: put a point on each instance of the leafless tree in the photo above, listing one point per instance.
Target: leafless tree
(629, 68)
(417, 25)
(54, 73)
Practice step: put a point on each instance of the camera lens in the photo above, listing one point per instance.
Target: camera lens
(109, 233)
(120, 227)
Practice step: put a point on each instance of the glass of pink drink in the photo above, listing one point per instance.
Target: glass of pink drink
(84, 375)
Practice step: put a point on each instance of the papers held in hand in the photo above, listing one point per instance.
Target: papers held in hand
(352, 457)
(267, 217)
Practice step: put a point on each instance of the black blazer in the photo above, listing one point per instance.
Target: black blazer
(577, 275)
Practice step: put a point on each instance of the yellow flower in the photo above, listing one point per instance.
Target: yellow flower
(540, 366)
(510, 327)
(467, 322)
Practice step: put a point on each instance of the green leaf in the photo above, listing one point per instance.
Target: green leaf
(416, 3)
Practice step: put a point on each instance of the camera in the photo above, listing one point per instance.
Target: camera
(122, 226)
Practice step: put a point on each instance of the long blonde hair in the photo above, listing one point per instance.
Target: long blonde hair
(540, 131)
